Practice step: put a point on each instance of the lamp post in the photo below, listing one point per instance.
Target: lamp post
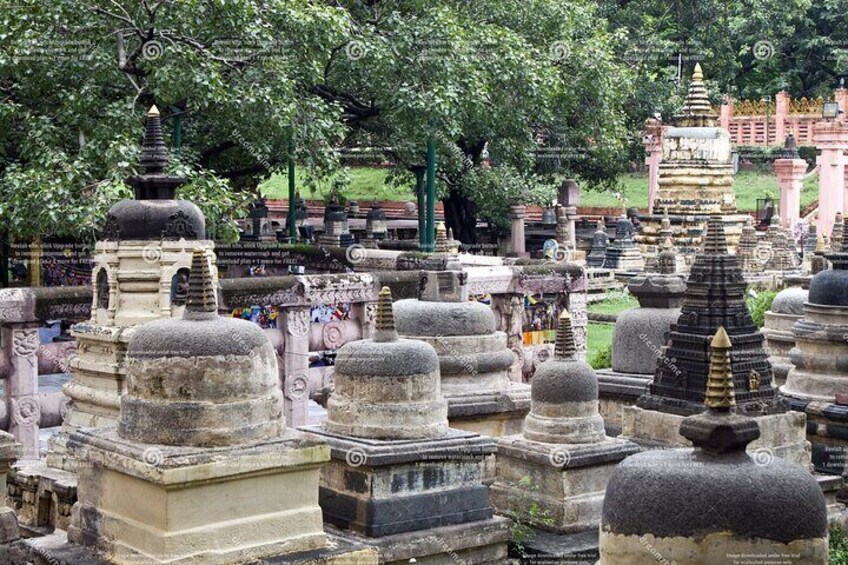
(431, 195)
(292, 227)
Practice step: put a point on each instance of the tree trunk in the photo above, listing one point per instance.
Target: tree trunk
(461, 217)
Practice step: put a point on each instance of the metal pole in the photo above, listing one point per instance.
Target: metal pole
(431, 195)
(292, 227)
(422, 207)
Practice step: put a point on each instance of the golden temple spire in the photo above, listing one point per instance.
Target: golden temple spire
(720, 395)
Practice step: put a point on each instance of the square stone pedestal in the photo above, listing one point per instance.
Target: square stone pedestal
(617, 391)
(565, 482)
(413, 498)
(781, 435)
(164, 504)
(490, 414)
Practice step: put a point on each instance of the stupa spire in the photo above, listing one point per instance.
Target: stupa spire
(697, 110)
(201, 302)
(154, 154)
(565, 347)
(715, 242)
(442, 239)
(385, 322)
(720, 395)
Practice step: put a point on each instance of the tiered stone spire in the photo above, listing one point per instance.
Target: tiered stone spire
(667, 260)
(697, 111)
(153, 183)
(201, 302)
(715, 297)
(836, 234)
(600, 240)
(719, 394)
(565, 347)
(441, 245)
(385, 322)
(746, 252)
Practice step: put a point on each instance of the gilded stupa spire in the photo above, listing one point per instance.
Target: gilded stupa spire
(385, 322)
(720, 395)
(697, 110)
(565, 347)
(201, 302)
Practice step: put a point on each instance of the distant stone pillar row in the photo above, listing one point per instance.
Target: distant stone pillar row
(652, 141)
(517, 245)
(831, 138)
(789, 175)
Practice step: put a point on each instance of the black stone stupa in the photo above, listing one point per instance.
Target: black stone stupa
(154, 214)
(715, 297)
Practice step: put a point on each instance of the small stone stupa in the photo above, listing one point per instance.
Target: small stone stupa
(623, 255)
(818, 381)
(475, 361)
(143, 255)
(640, 333)
(713, 503)
(695, 178)
(786, 309)
(600, 241)
(201, 468)
(746, 251)
(563, 447)
(715, 297)
(837, 233)
(397, 468)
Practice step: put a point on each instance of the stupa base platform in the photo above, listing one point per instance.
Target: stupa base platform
(214, 506)
(781, 435)
(42, 496)
(568, 549)
(379, 488)
(687, 232)
(474, 543)
(827, 431)
(495, 414)
(617, 391)
(55, 548)
(567, 483)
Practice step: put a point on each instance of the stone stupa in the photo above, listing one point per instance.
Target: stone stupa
(715, 297)
(564, 447)
(600, 241)
(713, 503)
(695, 178)
(623, 255)
(201, 468)
(400, 479)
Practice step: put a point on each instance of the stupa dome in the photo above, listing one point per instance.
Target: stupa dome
(701, 504)
(564, 395)
(830, 288)
(417, 317)
(385, 387)
(202, 380)
(790, 301)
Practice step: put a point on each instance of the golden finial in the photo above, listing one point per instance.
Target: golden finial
(698, 73)
(442, 238)
(565, 347)
(754, 381)
(153, 111)
(385, 322)
(820, 248)
(720, 395)
(200, 299)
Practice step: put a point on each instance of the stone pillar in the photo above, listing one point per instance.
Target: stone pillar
(789, 174)
(9, 453)
(726, 114)
(296, 366)
(518, 213)
(841, 97)
(652, 140)
(20, 344)
(509, 314)
(781, 110)
(831, 138)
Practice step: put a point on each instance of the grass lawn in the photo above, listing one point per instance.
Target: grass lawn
(367, 184)
(615, 302)
(370, 183)
(598, 339)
